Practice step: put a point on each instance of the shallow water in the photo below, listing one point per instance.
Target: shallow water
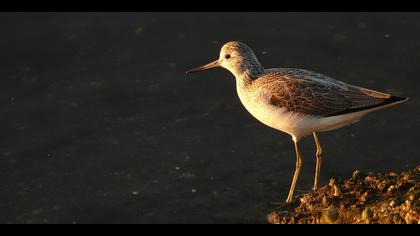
(101, 125)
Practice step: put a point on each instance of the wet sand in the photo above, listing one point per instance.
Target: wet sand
(101, 125)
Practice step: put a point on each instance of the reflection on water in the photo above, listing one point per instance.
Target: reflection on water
(100, 124)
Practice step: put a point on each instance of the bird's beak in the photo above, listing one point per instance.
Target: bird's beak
(205, 67)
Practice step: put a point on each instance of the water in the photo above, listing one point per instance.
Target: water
(101, 125)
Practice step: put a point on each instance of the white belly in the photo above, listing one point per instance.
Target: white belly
(295, 124)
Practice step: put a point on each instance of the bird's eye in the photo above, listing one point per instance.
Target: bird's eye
(227, 56)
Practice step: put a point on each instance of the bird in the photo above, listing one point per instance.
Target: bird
(296, 101)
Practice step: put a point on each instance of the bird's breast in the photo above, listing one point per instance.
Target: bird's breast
(257, 103)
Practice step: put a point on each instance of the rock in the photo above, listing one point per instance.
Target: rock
(356, 173)
(410, 218)
(391, 188)
(337, 191)
(329, 215)
(367, 215)
(392, 203)
(364, 198)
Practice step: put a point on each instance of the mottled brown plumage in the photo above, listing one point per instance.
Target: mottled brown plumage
(311, 93)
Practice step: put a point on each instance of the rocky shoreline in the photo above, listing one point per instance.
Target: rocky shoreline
(365, 198)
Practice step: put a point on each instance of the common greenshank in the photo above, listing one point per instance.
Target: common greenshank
(297, 101)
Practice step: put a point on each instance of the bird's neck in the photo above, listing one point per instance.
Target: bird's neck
(245, 77)
(243, 81)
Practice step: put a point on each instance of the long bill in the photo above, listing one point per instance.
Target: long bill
(205, 67)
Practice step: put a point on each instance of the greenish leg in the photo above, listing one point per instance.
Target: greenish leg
(296, 175)
(318, 161)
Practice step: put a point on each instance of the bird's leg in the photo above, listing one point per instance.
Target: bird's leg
(318, 161)
(296, 175)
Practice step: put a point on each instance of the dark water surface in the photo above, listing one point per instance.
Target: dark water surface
(99, 123)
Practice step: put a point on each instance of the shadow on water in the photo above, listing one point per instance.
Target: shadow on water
(100, 124)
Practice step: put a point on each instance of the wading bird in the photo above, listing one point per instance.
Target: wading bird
(297, 101)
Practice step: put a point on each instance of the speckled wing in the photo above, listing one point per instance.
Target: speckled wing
(310, 93)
